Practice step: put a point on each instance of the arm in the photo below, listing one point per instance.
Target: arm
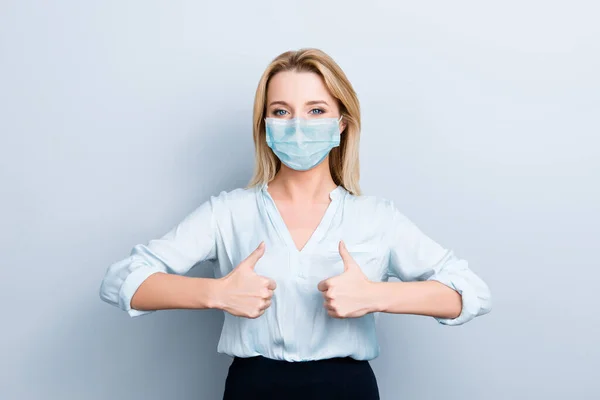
(241, 292)
(162, 291)
(421, 298)
(151, 277)
(435, 282)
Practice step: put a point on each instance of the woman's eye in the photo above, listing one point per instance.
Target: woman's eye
(279, 113)
(316, 111)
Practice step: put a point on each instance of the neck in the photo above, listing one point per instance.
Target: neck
(309, 186)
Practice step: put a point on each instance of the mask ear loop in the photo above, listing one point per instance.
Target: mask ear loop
(338, 123)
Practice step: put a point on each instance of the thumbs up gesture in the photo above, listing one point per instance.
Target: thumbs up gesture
(350, 294)
(243, 292)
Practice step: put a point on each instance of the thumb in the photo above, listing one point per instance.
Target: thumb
(253, 258)
(346, 257)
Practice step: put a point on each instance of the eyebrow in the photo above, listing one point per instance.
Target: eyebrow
(315, 102)
(308, 103)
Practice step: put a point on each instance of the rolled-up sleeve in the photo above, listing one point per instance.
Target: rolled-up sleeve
(191, 241)
(414, 256)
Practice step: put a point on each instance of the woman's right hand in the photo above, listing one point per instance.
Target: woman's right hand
(243, 292)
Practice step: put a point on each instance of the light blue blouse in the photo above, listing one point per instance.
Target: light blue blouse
(296, 327)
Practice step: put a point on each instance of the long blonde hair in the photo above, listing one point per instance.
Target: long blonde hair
(343, 160)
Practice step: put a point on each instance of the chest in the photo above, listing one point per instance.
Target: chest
(301, 221)
(302, 245)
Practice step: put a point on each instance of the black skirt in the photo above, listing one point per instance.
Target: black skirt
(335, 378)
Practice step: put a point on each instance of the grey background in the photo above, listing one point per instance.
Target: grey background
(117, 118)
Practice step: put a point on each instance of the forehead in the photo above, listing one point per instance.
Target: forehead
(297, 87)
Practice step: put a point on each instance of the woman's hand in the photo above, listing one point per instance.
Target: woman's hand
(243, 292)
(350, 294)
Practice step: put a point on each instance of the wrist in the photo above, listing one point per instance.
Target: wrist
(211, 290)
(378, 297)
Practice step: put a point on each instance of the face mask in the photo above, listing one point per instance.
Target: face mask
(302, 144)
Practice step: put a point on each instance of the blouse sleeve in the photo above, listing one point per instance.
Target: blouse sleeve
(190, 241)
(414, 256)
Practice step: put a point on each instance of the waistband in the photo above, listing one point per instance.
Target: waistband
(272, 364)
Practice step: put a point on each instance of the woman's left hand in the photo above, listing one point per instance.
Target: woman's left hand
(350, 294)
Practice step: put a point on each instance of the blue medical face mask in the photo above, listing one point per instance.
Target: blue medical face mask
(300, 143)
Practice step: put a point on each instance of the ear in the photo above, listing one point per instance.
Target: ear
(343, 125)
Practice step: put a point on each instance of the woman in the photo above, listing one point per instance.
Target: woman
(304, 258)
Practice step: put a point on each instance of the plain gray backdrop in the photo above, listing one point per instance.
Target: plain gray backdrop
(481, 121)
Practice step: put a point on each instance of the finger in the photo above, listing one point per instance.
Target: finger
(346, 257)
(271, 284)
(253, 258)
(266, 305)
(323, 285)
(266, 293)
(256, 314)
(328, 295)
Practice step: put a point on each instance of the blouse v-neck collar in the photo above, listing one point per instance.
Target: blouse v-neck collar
(336, 195)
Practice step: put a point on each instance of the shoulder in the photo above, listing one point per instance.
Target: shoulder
(376, 208)
(234, 198)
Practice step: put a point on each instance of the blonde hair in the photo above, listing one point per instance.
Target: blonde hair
(343, 160)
